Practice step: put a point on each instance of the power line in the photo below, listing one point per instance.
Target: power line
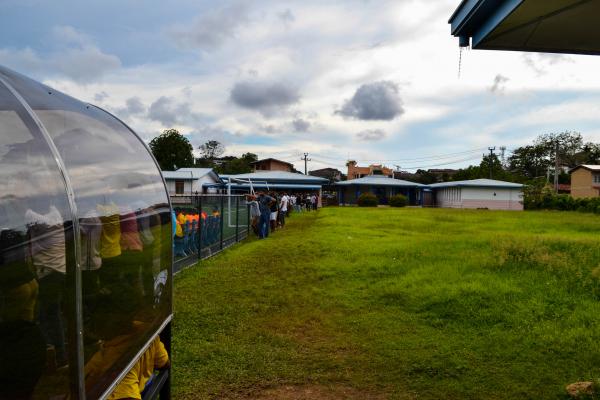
(426, 158)
(325, 163)
(448, 163)
(443, 164)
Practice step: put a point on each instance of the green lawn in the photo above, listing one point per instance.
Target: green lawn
(395, 303)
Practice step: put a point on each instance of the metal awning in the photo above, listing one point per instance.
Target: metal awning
(550, 26)
(268, 186)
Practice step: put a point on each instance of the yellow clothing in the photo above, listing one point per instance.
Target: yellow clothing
(134, 382)
(181, 220)
(19, 302)
(110, 352)
(110, 241)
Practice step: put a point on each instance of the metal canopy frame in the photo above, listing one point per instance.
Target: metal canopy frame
(475, 21)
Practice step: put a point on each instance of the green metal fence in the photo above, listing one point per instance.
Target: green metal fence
(207, 224)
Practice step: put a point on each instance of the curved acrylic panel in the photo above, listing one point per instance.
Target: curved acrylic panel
(35, 233)
(125, 229)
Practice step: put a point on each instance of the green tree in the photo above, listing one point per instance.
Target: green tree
(239, 165)
(172, 150)
(533, 161)
(530, 161)
(211, 150)
(590, 154)
(569, 145)
(425, 177)
(483, 171)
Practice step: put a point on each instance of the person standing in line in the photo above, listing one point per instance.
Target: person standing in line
(264, 203)
(254, 214)
(283, 208)
(274, 210)
(313, 201)
(293, 202)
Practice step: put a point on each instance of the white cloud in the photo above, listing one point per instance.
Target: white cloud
(77, 58)
(371, 135)
(212, 28)
(257, 61)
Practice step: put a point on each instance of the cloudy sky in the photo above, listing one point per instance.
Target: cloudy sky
(366, 80)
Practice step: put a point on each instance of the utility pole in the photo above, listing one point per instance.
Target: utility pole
(305, 159)
(556, 167)
(491, 149)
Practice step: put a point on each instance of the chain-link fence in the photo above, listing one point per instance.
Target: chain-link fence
(207, 224)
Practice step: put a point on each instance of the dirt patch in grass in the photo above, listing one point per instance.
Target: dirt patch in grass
(311, 392)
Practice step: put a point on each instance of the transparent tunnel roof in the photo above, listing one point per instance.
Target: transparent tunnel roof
(85, 244)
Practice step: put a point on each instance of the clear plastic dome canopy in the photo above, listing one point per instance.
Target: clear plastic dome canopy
(85, 245)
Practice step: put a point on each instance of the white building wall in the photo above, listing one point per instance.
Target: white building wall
(492, 198)
(191, 186)
(449, 197)
(187, 186)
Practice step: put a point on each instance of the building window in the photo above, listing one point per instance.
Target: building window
(596, 178)
(179, 187)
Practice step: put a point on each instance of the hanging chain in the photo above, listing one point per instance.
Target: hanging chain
(459, 60)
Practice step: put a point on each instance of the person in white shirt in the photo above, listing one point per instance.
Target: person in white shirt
(48, 254)
(283, 208)
(313, 201)
(293, 202)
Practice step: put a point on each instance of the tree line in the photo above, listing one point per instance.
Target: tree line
(532, 164)
(173, 150)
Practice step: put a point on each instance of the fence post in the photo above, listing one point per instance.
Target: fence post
(237, 216)
(199, 227)
(222, 218)
(248, 220)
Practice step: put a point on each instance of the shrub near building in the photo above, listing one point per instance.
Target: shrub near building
(367, 200)
(398, 200)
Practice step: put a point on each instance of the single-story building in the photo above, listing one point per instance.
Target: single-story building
(188, 181)
(381, 186)
(479, 193)
(585, 181)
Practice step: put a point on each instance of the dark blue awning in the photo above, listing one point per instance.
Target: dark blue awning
(550, 26)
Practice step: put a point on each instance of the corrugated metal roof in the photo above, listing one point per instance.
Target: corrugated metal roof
(270, 186)
(591, 167)
(183, 175)
(278, 176)
(378, 180)
(191, 174)
(492, 183)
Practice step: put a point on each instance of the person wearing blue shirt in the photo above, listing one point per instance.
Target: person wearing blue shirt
(264, 203)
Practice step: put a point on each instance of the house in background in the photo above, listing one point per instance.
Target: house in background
(381, 186)
(332, 174)
(478, 193)
(188, 181)
(355, 172)
(271, 164)
(585, 181)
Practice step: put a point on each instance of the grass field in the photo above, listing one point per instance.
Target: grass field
(395, 303)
